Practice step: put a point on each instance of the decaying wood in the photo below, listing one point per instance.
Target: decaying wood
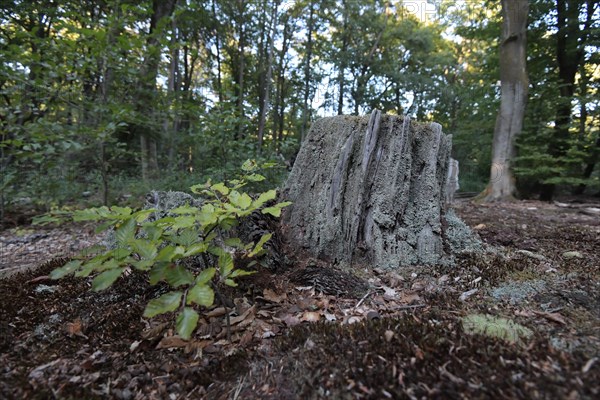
(371, 190)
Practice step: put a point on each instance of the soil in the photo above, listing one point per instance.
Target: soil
(406, 337)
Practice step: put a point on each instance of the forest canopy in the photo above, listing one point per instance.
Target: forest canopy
(102, 100)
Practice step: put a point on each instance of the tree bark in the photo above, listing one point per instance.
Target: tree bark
(371, 190)
(514, 89)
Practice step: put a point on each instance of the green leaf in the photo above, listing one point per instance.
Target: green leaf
(249, 165)
(255, 178)
(186, 322)
(143, 215)
(186, 237)
(264, 197)
(195, 249)
(89, 214)
(66, 269)
(234, 242)
(168, 302)
(157, 273)
(205, 276)
(201, 294)
(225, 264)
(221, 188)
(240, 200)
(259, 246)
(276, 209)
(240, 272)
(184, 210)
(183, 222)
(106, 279)
(169, 253)
(177, 275)
(201, 187)
(153, 232)
(142, 265)
(144, 248)
(120, 212)
(104, 226)
(230, 282)
(207, 215)
(125, 232)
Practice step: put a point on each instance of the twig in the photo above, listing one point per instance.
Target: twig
(222, 300)
(409, 307)
(362, 300)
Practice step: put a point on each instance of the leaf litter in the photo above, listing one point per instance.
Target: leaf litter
(402, 338)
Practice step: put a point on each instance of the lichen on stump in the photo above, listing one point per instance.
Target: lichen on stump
(371, 190)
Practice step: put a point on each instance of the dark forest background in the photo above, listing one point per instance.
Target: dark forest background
(100, 101)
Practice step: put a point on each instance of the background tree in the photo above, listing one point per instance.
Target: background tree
(514, 89)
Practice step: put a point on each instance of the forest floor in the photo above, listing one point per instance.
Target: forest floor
(412, 335)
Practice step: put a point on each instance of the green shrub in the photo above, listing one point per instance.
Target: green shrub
(157, 246)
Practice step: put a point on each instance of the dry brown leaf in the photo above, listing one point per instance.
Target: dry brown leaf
(389, 335)
(524, 313)
(291, 320)
(410, 298)
(554, 317)
(246, 338)
(311, 316)
(273, 297)
(75, 328)
(171, 342)
(217, 312)
(240, 318)
(155, 331)
(419, 353)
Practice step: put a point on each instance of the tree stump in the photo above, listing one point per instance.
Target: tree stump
(371, 191)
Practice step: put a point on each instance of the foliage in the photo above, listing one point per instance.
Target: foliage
(158, 246)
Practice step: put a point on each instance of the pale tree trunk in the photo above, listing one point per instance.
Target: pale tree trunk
(514, 89)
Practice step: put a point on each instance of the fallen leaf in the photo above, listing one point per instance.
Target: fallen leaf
(236, 320)
(217, 312)
(389, 335)
(555, 317)
(409, 298)
(273, 297)
(291, 320)
(311, 316)
(467, 294)
(155, 331)
(134, 345)
(588, 365)
(171, 342)
(75, 328)
(330, 317)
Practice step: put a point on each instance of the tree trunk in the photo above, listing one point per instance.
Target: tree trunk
(371, 190)
(514, 89)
